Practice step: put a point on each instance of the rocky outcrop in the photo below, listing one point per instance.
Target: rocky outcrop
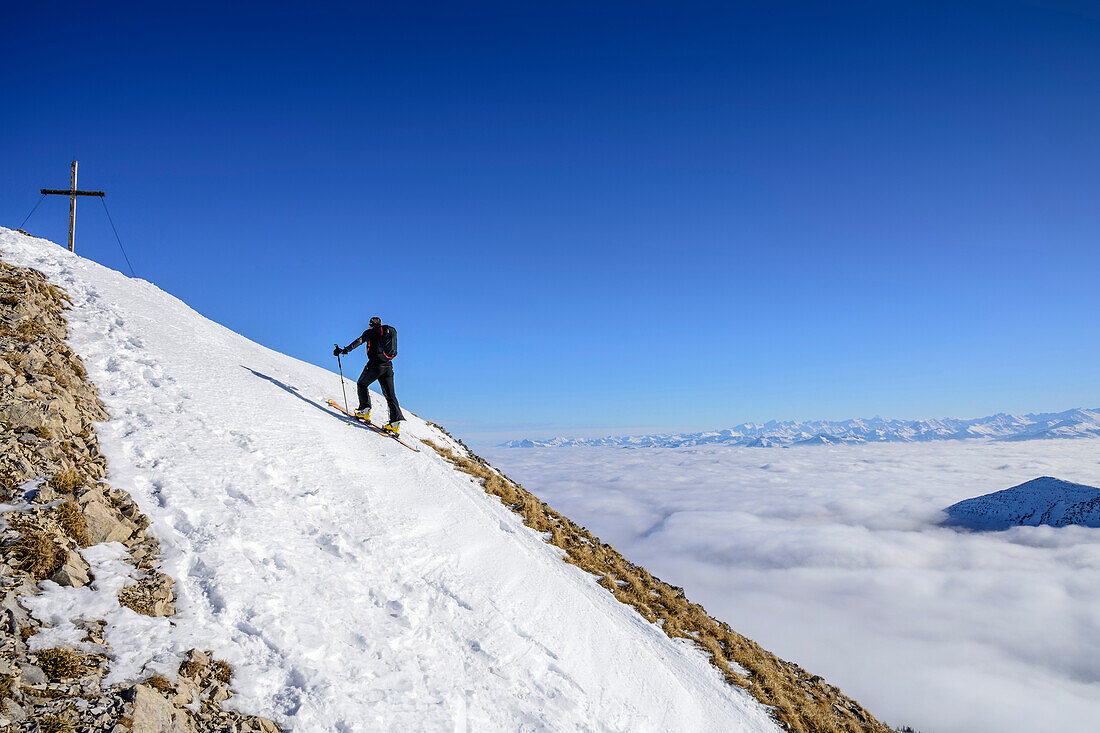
(55, 503)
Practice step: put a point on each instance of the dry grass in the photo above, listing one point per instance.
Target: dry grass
(55, 293)
(58, 374)
(803, 704)
(29, 330)
(36, 553)
(160, 684)
(221, 671)
(190, 668)
(60, 663)
(43, 432)
(11, 300)
(26, 632)
(53, 724)
(6, 681)
(137, 599)
(72, 522)
(67, 481)
(9, 481)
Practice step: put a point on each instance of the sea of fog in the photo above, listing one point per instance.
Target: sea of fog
(833, 557)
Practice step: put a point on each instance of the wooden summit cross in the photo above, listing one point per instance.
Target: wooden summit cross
(72, 193)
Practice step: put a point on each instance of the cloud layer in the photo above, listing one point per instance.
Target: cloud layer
(834, 557)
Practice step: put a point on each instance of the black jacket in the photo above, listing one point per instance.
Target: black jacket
(373, 338)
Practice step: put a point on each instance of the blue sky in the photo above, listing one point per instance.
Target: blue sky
(593, 218)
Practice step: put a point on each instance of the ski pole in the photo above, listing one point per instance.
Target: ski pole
(341, 368)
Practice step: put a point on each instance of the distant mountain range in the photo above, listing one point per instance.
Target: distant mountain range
(1045, 500)
(1079, 423)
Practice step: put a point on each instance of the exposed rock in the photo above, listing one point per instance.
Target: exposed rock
(13, 712)
(216, 691)
(75, 571)
(13, 616)
(153, 713)
(198, 659)
(33, 360)
(45, 494)
(48, 411)
(32, 674)
(48, 450)
(151, 596)
(105, 524)
(21, 417)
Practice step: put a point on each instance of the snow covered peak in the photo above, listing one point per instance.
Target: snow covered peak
(1076, 423)
(1044, 500)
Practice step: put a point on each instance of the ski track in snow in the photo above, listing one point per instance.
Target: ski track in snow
(353, 584)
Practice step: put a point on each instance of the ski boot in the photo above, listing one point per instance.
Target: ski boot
(363, 415)
(392, 427)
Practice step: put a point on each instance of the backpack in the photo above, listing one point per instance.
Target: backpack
(389, 342)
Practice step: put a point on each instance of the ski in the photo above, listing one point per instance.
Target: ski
(372, 426)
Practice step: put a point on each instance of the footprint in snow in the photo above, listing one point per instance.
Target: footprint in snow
(239, 496)
(397, 613)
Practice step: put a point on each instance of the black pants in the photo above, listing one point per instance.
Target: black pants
(383, 373)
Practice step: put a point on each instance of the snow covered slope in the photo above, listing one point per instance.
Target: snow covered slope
(355, 585)
(1044, 500)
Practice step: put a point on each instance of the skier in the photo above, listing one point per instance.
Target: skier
(381, 344)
